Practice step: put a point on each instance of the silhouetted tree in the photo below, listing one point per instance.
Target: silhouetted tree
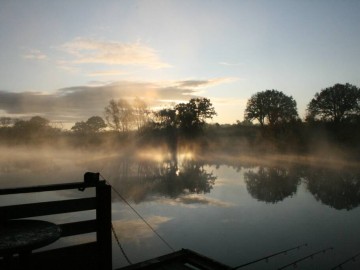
(141, 113)
(92, 125)
(192, 116)
(335, 104)
(96, 123)
(166, 118)
(5, 121)
(37, 129)
(80, 127)
(272, 107)
(119, 115)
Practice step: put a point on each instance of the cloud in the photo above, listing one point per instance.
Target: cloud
(78, 103)
(92, 51)
(35, 55)
(107, 73)
(193, 84)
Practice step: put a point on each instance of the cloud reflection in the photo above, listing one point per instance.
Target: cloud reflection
(193, 201)
(135, 229)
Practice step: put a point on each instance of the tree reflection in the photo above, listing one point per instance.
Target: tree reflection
(142, 180)
(271, 184)
(339, 189)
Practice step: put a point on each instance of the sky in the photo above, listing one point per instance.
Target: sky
(64, 60)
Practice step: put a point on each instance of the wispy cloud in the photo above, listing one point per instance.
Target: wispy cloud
(93, 51)
(35, 55)
(194, 84)
(230, 64)
(107, 73)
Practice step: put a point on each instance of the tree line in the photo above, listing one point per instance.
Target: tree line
(336, 105)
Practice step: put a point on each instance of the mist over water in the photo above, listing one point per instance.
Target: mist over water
(231, 208)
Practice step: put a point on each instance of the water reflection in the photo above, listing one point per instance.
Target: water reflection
(177, 177)
(142, 180)
(271, 184)
(339, 189)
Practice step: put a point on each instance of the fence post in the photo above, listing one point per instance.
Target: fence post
(103, 217)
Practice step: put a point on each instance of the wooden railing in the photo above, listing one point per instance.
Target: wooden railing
(74, 256)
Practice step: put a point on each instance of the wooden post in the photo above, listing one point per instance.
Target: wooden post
(103, 217)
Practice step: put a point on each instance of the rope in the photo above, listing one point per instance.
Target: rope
(138, 214)
(120, 246)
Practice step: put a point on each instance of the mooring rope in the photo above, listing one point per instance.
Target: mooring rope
(139, 215)
(119, 244)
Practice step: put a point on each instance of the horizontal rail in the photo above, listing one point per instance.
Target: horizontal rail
(54, 187)
(47, 208)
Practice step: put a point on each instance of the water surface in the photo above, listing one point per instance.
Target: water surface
(232, 212)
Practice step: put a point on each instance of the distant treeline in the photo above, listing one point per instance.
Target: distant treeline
(271, 123)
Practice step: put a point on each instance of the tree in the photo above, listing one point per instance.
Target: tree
(166, 118)
(271, 107)
(119, 115)
(80, 127)
(5, 121)
(36, 129)
(92, 125)
(95, 124)
(192, 116)
(335, 104)
(141, 113)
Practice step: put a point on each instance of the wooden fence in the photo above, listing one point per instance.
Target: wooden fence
(93, 255)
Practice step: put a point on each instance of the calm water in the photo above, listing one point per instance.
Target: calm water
(232, 213)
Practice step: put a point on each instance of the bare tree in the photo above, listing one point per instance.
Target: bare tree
(119, 115)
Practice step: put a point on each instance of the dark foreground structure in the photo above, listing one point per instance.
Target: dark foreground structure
(184, 259)
(21, 235)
